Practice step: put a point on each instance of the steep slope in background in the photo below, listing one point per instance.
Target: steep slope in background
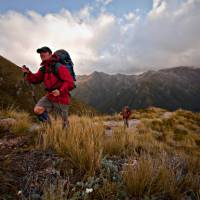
(15, 92)
(171, 88)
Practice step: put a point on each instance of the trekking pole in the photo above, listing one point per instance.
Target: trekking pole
(30, 86)
(32, 92)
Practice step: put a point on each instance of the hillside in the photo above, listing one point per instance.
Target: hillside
(16, 92)
(156, 158)
(171, 88)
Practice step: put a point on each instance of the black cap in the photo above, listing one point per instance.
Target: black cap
(44, 49)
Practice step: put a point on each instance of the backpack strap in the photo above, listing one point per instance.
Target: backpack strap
(55, 70)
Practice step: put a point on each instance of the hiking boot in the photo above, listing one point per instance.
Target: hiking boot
(44, 117)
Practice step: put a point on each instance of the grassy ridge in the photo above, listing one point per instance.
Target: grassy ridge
(158, 158)
(160, 155)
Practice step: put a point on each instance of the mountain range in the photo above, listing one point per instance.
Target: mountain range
(171, 88)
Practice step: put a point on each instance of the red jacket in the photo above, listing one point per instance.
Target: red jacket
(51, 81)
(126, 114)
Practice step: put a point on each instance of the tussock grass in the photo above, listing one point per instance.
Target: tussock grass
(117, 143)
(167, 176)
(191, 116)
(176, 130)
(161, 177)
(142, 128)
(125, 142)
(81, 143)
(115, 116)
(163, 153)
(22, 118)
(150, 112)
(147, 178)
(108, 191)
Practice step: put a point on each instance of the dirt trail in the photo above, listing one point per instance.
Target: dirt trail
(112, 124)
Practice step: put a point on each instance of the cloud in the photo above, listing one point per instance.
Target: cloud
(102, 5)
(104, 2)
(167, 36)
(159, 8)
(131, 16)
(21, 35)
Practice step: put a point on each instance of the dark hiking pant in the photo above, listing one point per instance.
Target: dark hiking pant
(126, 122)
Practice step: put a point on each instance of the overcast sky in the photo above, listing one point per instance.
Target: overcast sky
(113, 36)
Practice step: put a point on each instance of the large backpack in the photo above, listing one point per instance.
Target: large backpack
(64, 59)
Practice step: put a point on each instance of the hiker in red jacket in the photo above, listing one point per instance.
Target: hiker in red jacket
(126, 113)
(58, 87)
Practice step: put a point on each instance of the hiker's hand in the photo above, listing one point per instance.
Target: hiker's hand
(56, 93)
(25, 69)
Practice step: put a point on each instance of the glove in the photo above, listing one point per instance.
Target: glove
(25, 69)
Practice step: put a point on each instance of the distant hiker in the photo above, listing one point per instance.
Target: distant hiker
(126, 113)
(58, 81)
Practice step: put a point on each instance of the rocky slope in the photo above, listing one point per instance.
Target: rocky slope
(168, 88)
